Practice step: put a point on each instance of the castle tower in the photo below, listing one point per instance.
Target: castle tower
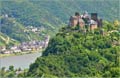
(94, 16)
(73, 21)
(76, 20)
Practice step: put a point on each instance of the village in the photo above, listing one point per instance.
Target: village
(34, 29)
(26, 47)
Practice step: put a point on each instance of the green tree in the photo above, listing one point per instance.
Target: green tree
(11, 68)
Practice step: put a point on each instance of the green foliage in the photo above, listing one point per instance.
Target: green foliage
(49, 14)
(7, 41)
(72, 53)
(11, 68)
(79, 55)
(16, 30)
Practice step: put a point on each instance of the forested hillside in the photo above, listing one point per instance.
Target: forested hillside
(16, 30)
(51, 15)
(74, 53)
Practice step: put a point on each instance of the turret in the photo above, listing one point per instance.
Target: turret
(76, 20)
(94, 16)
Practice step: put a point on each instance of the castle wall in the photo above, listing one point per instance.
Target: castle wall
(92, 23)
(93, 26)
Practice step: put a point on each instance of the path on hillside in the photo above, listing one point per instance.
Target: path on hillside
(5, 39)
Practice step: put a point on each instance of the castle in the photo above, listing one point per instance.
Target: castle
(85, 20)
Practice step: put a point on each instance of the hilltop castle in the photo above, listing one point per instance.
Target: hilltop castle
(85, 20)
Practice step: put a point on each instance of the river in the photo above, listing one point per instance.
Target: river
(22, 61)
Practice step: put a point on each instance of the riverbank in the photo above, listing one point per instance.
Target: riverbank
(19, 61)
(21, 53)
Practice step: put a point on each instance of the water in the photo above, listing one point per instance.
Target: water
(22, 61)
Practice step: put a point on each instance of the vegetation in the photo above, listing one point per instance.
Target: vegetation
(5, 40)
(15, 30)
(74, 53)
(11, 72)
(48, 14)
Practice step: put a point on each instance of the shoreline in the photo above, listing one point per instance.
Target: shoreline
(18, 54)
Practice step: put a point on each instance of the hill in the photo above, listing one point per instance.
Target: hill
(51, 15)
(15, 30)
(5, 40)
(74, 53)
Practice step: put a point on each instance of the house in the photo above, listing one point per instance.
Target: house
(5, 15)
(17, 51)
(34, 29)
(14, 48)
(7, 52)
(23, 47)
(2, 48)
